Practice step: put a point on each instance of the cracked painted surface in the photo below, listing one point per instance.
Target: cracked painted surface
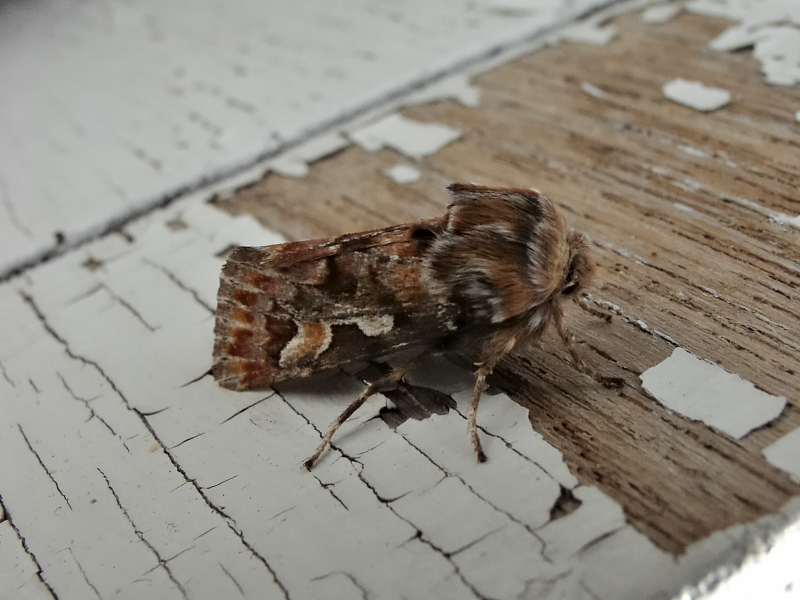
(125, 474)
(124, 105)
(124, 471)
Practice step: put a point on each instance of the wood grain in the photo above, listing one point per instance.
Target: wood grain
(676, 246)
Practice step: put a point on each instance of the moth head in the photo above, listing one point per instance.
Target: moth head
(580, 267)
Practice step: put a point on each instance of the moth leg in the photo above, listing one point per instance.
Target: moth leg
(584, 304)
(472, 413)
(391, 379)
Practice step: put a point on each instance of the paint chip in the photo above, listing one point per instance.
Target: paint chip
(704, 391)
(661, 14)
(785, 454)
(770, 27)
(797, 116)
(593, 90)
(696, 95)
(408, 137)
(692, 151)
(588, 33)
(294, 162)
(403, 173)
(784, 219)
(458, 88)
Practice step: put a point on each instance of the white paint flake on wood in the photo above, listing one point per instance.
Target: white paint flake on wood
(593, 90)
(704, 391)
(403, 173)
(696, 95)
(770, 26)
(405, 135)
(785, 454)
(589, 33)
(661, 13)
(108, 108)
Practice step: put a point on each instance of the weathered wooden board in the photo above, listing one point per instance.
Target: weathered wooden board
(663, 192)
(126, 473)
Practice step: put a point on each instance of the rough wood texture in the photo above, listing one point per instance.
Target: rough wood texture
(658, 189)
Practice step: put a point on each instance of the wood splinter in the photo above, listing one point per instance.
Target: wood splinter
(483, 280)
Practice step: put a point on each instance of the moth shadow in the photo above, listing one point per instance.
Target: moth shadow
(407, 401)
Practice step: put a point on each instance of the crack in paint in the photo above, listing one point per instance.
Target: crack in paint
(85, 577)
(209, 487)
(161, 562)
(189, 439)
(46, 470)
(28, 552)
(385, 502)
(329, 488)
(353, 580)
(130, 308)
(500, 510)
(5, 375)
(92, 413)
(232, 578)
(11, 210)
(231, 523)
(238, 412)
(174, 279)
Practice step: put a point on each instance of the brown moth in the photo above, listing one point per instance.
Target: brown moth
(487, 277)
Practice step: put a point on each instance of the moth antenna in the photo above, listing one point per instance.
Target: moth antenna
(385, 382)
(584, 304)
(569, 341)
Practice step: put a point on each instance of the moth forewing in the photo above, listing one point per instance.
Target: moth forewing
(291, 310)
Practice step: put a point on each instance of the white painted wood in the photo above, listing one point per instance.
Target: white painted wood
(107, 108)
(126, 476)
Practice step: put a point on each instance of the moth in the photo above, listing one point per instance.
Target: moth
(484, 279)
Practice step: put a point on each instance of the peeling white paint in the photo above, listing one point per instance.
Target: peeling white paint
(593, 90)
(696, 95)
(501, 416)
(403, 173)
(588, 32)
(597, 516)
(412, 138)
(661, 13)
(774, 216)
(704, 391)
(785, 454)
(457, 87)
(122, 108)
(692, 151)
(784, 219)
(294, 162)
(770, 26)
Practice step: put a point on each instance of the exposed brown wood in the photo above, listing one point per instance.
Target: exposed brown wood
(674, 248)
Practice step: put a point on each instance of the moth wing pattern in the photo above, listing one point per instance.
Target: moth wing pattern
(290, 310)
